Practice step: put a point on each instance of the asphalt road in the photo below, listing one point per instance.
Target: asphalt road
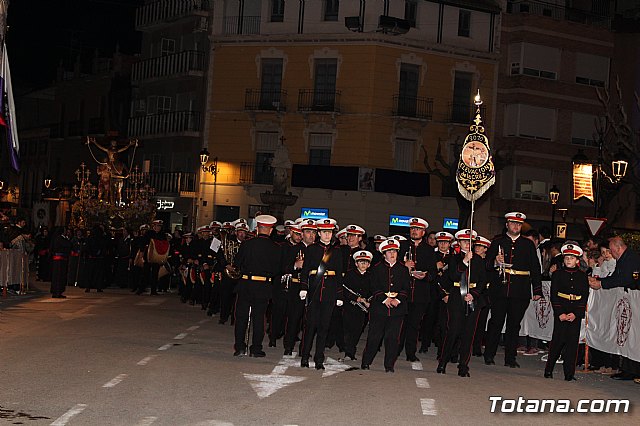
(119, 359)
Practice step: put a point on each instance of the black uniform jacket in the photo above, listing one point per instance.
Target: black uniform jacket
(329, 287)
(425, 259)
(259, 256)
(569, 292)
(357, 282)
(389, 279)
(477, 280)
(522, 254)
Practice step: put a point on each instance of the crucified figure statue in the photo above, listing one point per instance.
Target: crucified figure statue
(112, 171)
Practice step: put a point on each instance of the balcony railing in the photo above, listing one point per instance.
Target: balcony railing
(413, 107)
(316, 100)
(242, 25)
(464, 113)
(266, 100)
(165, 123)
(250, 174)
(560, 12)
(169, 10)
(177, 64)
(171, 183)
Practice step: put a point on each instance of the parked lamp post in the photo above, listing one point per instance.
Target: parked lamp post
(554, 194)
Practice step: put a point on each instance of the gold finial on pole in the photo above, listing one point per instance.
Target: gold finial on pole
(477, 99)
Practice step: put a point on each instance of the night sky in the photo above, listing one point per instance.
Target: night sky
(44, 32)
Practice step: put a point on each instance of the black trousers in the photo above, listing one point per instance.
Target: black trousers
(293, 321)
(336, 336)
(513, 310)
(352, 323)
(150, 272)
(429, 322)
(94, 273)
(461, 328)
(565, 340)
(411, 329)
(381, 328)
(278, 311)
(59, 270)
(480, 330)
(318, 321)
(227, 286)
(258, 305)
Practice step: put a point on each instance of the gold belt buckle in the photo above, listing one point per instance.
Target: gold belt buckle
(391, 294)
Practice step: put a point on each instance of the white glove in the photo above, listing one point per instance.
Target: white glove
(303, 294)
(338, 302)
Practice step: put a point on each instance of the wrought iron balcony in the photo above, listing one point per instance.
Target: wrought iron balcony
(261, 174)
(413, 107)
(169, 123)
(162, 11)
(265, 100)
(189, 62)
(560, 12)
(242, 25)
(318, 101)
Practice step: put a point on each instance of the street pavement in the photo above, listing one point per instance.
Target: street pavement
(115, 358)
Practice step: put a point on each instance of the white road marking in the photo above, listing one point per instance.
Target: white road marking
(193, 328)
(422, 383)
(111, 383)
(64, 419)
(267, 384)
(145, 361)
(151, 302)
(214, 423)
(428, 406)
(181, 336)
(165, 347)
(203, 321)
(416, 365)
(146, 421)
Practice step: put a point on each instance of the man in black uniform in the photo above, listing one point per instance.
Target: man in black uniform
(321, 286)
(357, 285)
(150, 269)
(389, 289)
(295, 306)
(463, 302)
(60, 249)
(421, 263)
(188, 254)
(516, 258)
(258, 261)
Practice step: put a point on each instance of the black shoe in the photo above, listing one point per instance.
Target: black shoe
(388, 370)
(304, 363)
(512, 364)
(463, 372)
(238, 353)
(100, 290)
(489, 361)
(351, 357)
(319, 366)
(478, 354)
(209, 313)
(548, 374)
(62, 296)
(258, 354)
(454, 359)
(442, 369)
(288, 352)
(622, 376)
(423, 350)
(364, 367)
(412, 358)
(569, 378)
(272, 343)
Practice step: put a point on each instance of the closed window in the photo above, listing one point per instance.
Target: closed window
(320, 149)
(583, 127)
(404, 154)
(408, 90)
(324, 94)
(592, 70)
(528, 189)
(534, 60)
(167, 46)
(461, 108)
(271, 83)
(331, 8)
(529, 121)
(164, 104)
(464, 23)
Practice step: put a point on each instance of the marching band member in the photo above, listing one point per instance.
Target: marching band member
(516, 259)
(463, 302)
(480, 248)
(258, 260)
(420, 262)
(320, 286)
(188, 255)
(389, 289)
(357, 283)
(569, 293)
